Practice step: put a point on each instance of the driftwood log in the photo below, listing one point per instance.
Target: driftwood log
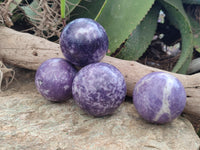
(28, 51)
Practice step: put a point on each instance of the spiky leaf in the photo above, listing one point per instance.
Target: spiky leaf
(196, 32)
(120, 18)
(87, 9)
(197, 2)
(177, 16)
(141, 37)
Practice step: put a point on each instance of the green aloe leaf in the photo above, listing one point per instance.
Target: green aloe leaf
(196, 32)
(71, 5)
(141, 37)
(31, 10)
(191, 1)
(14, 5)
(120, 18)
(184, 68)
(87, 9)
(177, 16)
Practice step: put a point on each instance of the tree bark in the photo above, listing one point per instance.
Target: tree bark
(29, 51)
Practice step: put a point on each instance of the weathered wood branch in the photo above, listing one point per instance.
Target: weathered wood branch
(28, 51)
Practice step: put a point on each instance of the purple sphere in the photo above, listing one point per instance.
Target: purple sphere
(54, 79)
(83, 41)
(99, 89)
(159, 97)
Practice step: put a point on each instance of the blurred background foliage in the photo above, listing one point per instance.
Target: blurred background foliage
(159, 33)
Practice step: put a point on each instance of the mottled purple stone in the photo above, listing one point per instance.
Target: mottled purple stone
(54, 79)
(99, 89)
(159, 97)
(83, 41)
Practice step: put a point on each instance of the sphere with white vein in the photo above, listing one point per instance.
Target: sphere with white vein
(159, 97)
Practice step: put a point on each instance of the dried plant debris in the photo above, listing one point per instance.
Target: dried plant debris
(45, 17)
(5, 13)
(39, 17)
(6, 76)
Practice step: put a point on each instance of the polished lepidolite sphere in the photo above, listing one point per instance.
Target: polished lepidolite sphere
(99, 89)
(83, 41)
(159, 97)
(54, 79)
